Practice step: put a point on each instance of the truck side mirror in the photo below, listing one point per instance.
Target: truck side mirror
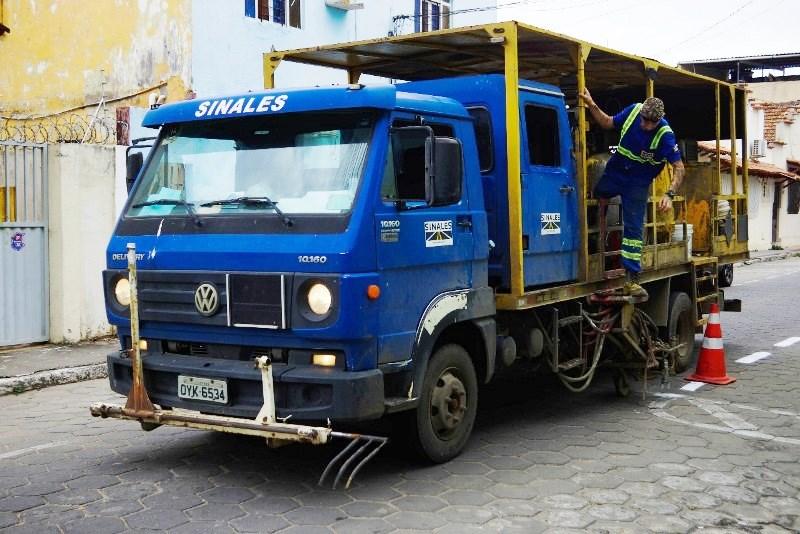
(443, 185)
(133, 164)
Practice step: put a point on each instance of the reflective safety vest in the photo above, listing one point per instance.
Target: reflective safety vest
(622, 151)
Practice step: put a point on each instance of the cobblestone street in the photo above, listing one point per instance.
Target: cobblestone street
(541, 459)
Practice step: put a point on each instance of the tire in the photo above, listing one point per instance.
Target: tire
(443, 421)
(725, 275)
(621, 385)
(681, 329)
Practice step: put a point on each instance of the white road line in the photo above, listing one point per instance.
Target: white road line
(754, 357)
(732, 423)
(728, 419)
(693, 386)
(21, 452)
(788, 342)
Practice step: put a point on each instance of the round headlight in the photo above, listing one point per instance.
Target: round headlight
(122, 291)
(319, 299)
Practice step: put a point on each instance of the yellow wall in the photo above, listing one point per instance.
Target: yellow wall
(59, 52)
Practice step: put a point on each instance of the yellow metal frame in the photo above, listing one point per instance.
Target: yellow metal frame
(514, 158)
(424, 56)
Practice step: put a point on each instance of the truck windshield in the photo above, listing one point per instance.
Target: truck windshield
(309, 163)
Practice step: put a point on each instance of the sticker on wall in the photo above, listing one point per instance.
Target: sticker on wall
(18, 241)
(390, 231)
(551, 223)
(438, 233)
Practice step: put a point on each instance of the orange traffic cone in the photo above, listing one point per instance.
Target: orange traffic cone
(711, 362)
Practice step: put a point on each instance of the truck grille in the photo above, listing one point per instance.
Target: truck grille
(168, 296)
(241, 299)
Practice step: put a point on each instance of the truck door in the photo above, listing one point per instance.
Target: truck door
(549, 190)
(422, 251)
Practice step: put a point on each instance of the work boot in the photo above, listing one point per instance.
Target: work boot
(632, 287)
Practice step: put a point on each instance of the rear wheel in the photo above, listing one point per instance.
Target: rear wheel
(621, 385)
(725, 275)
(680, 329)
(448, 404)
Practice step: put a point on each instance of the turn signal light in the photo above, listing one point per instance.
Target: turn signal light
(373, 292)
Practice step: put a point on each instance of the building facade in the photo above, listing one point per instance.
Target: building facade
(773, 147)
(66, 63)
(77, 78)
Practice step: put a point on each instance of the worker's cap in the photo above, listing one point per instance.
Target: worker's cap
(653, 109)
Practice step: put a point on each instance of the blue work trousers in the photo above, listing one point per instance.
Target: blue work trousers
(634, 204)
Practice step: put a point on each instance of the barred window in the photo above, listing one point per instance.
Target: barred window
(793, 206)
(283, 12)
(432, 15)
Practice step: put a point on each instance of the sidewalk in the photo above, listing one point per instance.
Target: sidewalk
(39, 366)
(769, 255)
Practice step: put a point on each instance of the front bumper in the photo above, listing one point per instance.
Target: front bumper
(306, 393)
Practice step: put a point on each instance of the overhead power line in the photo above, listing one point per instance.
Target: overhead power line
(712, 26)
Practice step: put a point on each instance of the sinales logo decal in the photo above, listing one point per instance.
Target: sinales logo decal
(551, 223)
(438, 233)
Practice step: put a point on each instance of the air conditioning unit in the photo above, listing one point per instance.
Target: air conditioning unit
(759, 148)
(347, 5)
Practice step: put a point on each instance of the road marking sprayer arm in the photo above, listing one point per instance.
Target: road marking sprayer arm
(139, 408)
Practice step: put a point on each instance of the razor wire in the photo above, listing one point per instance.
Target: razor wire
(64, 128)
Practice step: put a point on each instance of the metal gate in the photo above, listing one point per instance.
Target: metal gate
(24, 292)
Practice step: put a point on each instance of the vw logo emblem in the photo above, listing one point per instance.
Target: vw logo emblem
(206, 299)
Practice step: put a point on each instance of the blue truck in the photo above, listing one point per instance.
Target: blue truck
(303, 258)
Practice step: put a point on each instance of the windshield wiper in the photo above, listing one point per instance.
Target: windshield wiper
(172, 202)
(265, 202)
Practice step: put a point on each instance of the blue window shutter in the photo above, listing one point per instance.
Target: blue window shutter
(416, 15)
(279, 11)
(435, 16)
(250, 8)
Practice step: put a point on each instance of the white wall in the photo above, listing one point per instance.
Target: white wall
(760, 202)
(759, 208)
(788, 224)
(227, 46)
(83, 187)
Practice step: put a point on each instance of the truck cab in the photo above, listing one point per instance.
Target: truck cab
(337, 230)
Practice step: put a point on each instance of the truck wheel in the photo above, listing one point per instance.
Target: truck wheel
(681, 328)
(447, 407)
(725, 275)
(621, 385)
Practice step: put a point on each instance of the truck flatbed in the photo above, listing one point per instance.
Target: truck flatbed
(701, 108)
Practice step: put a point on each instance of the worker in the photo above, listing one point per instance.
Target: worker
(646, 144)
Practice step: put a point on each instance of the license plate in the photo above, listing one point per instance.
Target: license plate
(203, 389)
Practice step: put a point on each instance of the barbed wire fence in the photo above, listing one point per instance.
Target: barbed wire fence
(62, 128)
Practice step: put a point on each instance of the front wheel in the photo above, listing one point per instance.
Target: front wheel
(448, 404)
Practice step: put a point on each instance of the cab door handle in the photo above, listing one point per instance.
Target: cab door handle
(566, 189)
(464, 221)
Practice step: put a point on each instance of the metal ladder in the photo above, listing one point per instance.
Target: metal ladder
(612, 257)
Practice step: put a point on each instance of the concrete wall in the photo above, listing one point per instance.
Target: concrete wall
(783, 91)
(83, 189)
(65, 54)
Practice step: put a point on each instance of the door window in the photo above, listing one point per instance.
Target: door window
(483, 135)
(541, 126)
(404, 171)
